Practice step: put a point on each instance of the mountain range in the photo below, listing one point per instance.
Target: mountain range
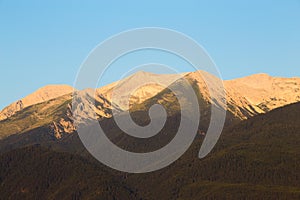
(257, 155)
(245, 97)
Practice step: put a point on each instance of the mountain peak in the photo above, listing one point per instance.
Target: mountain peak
(260, 75)
(143, 73)
(266, 91)
(138, 87)
(46, 93)
(42, 94)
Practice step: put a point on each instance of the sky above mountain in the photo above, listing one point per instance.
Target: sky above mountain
(45, 43)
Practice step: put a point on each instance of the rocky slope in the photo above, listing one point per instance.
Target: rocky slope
(235, 102)
(252, 95)
(50, 113)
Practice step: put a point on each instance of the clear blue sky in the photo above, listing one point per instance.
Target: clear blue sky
(45, 43)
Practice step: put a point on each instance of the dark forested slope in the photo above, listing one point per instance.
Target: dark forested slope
(256, 159)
